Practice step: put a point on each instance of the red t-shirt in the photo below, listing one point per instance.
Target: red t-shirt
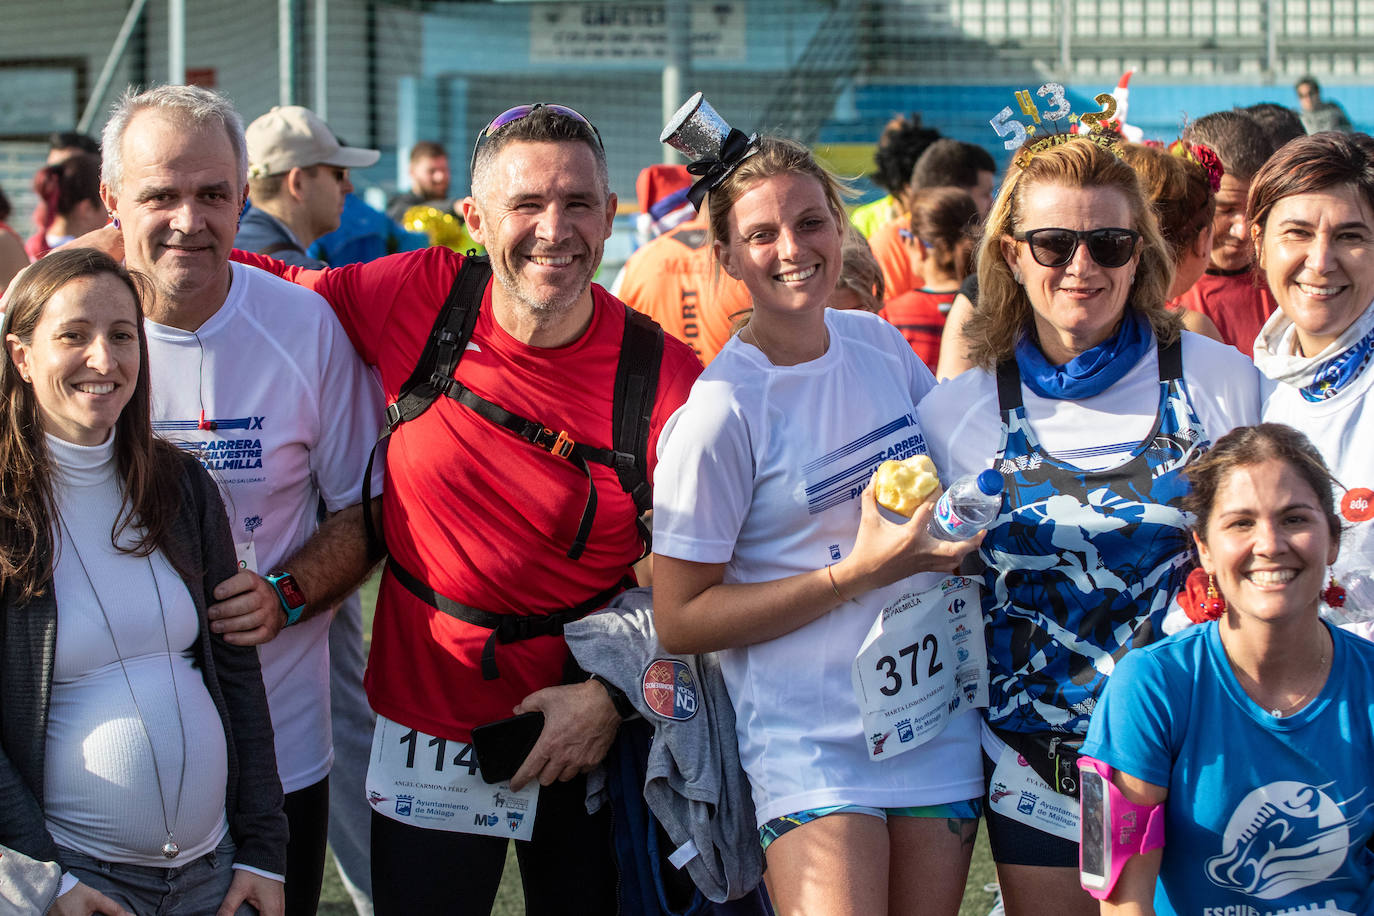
(36, 246)
(920, 315)
(1238, 304)
(480, 515)
(674, 281)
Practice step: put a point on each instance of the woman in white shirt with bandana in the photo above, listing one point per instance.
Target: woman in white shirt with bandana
(1312, 218)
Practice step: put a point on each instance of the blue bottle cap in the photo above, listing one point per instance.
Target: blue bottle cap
(990, 482)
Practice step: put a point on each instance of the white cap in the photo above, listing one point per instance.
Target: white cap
(290, 137)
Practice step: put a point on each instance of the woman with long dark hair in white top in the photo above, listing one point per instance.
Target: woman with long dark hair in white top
(135, 746)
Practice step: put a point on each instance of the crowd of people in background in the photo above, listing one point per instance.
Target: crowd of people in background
(232, 390)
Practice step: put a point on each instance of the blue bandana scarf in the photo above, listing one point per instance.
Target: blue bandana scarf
(1091, 372)
(1340, 370)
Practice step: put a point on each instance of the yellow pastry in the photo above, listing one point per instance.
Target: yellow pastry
(901, 486)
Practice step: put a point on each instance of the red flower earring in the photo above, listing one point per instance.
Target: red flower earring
(1213, 606)
(1333, 594)
(1202, 602)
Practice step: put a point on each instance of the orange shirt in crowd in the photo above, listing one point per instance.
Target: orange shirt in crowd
(673, 280)
(894, 258)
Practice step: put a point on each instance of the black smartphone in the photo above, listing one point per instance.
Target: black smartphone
(501, 746)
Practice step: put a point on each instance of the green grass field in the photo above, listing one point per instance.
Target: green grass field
(334, 900)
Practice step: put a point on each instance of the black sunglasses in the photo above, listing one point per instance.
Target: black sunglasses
(1052, 247)
(511, 115)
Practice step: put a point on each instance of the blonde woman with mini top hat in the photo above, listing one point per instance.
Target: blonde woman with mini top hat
(135, 746)
(770, 549)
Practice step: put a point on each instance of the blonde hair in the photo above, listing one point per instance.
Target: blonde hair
(775, 156)
(1004, 312)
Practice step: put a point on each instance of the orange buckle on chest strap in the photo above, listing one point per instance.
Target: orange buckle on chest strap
(562, 446)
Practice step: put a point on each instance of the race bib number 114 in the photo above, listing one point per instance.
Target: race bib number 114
(434, 783)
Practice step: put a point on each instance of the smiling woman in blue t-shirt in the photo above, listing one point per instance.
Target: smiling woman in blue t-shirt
(1256, 731)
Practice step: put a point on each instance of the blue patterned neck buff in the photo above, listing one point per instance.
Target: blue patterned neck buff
(1336, 373)
(1322, 375)
(1091, 372)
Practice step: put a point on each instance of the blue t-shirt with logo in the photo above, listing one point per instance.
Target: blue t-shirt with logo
(1264, 814)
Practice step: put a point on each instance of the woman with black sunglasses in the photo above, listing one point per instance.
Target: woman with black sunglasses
(1090, 400)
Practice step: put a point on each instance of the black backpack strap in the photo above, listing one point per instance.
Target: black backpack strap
(636, 385)
(433, 374)
(505, 628)
(1008, 386)
(1171, 361)
(636, 382)
(559, 444)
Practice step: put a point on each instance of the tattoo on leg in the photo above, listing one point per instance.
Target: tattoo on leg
(966, 828)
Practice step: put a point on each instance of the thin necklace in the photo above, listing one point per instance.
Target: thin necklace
(1278, 712)
(757, 342)
(170, 849)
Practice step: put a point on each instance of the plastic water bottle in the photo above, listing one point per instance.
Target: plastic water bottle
(967, 507)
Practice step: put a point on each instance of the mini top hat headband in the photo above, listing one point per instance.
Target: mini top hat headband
(716, 148)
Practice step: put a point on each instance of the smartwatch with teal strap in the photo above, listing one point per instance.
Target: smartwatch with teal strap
(289, 594)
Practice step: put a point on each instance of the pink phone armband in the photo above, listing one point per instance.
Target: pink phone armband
(1112, 828)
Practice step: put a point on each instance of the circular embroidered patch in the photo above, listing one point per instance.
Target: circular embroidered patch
(670, 690)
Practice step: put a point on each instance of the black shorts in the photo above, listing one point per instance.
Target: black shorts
(1015, 843)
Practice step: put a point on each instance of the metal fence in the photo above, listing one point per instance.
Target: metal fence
(388, 72)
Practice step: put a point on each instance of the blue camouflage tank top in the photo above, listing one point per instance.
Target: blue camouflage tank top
(1081, 566)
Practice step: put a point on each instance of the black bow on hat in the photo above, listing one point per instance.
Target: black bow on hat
(715, 147)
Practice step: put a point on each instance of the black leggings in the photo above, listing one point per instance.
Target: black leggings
(307, 814)
(566, 868)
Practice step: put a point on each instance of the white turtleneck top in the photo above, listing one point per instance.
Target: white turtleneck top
(101, 788)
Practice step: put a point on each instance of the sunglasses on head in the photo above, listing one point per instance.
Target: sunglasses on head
(1053, 247)
(511, 115)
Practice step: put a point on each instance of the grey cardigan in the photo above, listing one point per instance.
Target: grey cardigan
(201, 543)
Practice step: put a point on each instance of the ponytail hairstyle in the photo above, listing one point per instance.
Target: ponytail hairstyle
(61, 187)
(942, 218)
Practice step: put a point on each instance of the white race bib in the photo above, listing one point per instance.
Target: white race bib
(434, 783)
(247, 556)
(1018, 793)
(923, 663)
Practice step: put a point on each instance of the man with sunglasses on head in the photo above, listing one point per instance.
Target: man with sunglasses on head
(496, 538)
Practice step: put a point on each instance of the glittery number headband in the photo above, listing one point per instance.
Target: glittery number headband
(715, 148)
(1016, 134)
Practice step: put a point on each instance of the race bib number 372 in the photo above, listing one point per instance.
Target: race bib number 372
(434, 783)
(922, 663)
